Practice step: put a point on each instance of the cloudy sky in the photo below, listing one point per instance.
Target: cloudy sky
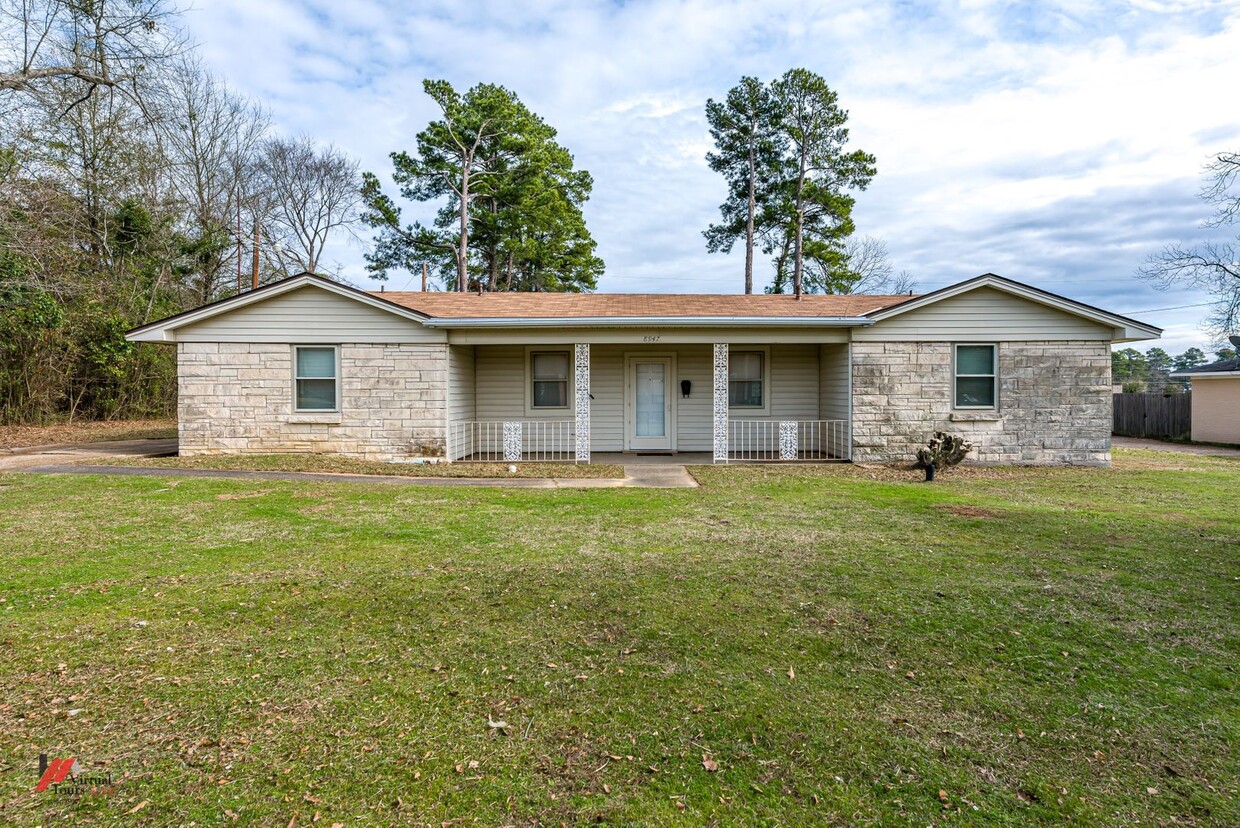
(1057, 143)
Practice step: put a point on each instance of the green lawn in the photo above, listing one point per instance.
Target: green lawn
(335, 464)
(781, 647)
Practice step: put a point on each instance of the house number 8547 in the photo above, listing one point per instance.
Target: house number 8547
(650, 338)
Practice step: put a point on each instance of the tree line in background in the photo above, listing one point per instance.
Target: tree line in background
(133, 185)
(1151, 371)
(781, 147)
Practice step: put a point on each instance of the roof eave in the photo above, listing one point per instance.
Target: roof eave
(649, 321)
(1204, 374)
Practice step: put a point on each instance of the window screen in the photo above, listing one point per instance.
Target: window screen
(745, 372)
(975, 376)
(550, 373)
(315, 379)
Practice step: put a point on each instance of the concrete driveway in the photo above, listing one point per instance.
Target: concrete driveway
(70, 453)
(1184, 448)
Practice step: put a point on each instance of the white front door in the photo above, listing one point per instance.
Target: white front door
(648, 405)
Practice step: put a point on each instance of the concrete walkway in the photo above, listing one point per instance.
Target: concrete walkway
(1184, 448)
(75, 458)
(642, 477)
(658, 476)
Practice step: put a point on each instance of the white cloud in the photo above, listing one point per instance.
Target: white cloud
(1057, 143)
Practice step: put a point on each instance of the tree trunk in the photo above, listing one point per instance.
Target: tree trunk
(753, 203)
(800, 220)
(254, 257)
(462, 252)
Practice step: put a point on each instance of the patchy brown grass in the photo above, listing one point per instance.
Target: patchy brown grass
(335, 464)
(971, 511)
(22, 436)
(1122, 459)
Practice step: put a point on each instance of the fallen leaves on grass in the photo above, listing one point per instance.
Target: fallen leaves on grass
(14, 436)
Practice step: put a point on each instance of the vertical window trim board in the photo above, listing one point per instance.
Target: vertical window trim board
(994, 377)
(744, 413)
(527, 395)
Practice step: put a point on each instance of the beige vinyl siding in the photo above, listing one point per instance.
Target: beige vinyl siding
(794, 383)
(500, 373)
(1216, 409)
(461, 398)
(987, 315)
(309, 314)
(833, 382)
(462, 402)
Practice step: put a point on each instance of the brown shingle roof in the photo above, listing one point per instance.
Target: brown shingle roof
(583, 305)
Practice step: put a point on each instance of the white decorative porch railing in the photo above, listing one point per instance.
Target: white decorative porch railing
(774, 440)
(513, 441)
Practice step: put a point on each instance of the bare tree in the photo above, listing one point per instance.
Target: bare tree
(308, 194)
(862, 265)
(210, 136)
(870, 262)
(91, 149)
(1214, 266)
(109, 44)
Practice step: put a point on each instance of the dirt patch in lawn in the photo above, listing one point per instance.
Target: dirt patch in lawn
(972, 511)
(22, 436)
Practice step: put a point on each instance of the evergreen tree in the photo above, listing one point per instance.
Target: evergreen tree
(512, 210)
(748, 148)
(817, 169)
(1158, 366)
(1190, 359)
(783, 152)
(1128, 365)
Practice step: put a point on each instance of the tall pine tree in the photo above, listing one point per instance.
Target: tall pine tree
(783, 150)
(512, 199)
(748, 148)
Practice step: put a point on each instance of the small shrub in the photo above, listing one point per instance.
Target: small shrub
(943, 451)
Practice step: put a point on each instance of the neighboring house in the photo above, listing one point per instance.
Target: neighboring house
(308, 364)
(1216, 401)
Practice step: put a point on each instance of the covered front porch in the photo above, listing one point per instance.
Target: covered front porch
(532, 401)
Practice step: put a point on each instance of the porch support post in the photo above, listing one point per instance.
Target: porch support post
(581, 392)
(720, 403)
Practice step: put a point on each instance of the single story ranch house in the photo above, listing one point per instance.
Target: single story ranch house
(310, 365)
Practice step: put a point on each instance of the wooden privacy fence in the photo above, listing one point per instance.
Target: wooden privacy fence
(1152, 415)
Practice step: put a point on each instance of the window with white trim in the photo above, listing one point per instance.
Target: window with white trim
(316, 382)
(746, 372)
(976, 376)
(549, 377)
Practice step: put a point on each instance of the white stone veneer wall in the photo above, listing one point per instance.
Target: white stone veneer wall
(1054, 402)
(237, 398)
